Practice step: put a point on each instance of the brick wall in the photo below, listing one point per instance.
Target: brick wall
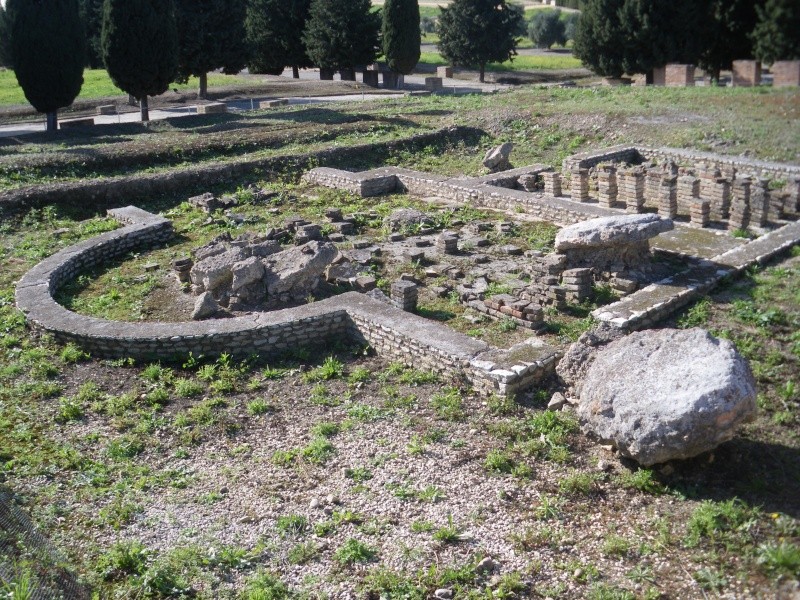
(746, 73)
(785, 73)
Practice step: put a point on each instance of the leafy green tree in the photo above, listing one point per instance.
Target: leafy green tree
(401, 35)
(140, 47)
(476, 32)
(777, 33)
(211, 36)
(341, 34)
(727, 29)
(547, 28)
(48, 50)
(92, 17)
(274, 29)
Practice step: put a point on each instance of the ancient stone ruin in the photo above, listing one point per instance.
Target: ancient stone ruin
(652, 226)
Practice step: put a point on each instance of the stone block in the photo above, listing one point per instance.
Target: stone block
(370, 78)
(347, 74)
(107, 109)
(85, 122)
(785, 73)
(433, 83)
(273, 103)
(678, 75)
(746, 73)
(326, 74)
(659, 76)
(212, 108)
(444, 72)
(392, 80)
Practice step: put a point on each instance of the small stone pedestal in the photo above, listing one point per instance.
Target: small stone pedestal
(404, 295)
(444, 72)
(739, 217)
(552, 183)
(668, 198)
(579, 186)
(182, 267)
(688, 192)
(347, 74)
(326, 74)
(759, 203)
(746, 73)
(447, 242)
(785, 73)
(631, 188)
(607, 185)
(212, 108)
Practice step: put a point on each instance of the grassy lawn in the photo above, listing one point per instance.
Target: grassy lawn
(97, 84)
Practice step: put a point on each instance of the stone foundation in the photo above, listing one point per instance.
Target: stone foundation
(746, 73)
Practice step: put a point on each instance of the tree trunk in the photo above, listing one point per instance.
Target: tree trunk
(145, 109)
(203, 86)
(52, 122)
(295, 72)
(482, 72)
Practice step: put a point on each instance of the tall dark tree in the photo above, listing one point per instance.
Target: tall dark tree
(401, 35)
(92, 17)
(48, 50)
(341, 34)
(211, 36)
(274, 33)
(140, 47)
(547, 28)
(475, 32)
(635, 36)
(5, 41)
(727, 27)
(600, 37)
(777, 33)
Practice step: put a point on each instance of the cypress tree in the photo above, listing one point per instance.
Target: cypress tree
(341, 34)
(274, 33)
(211, 36)
(728, 24)
(401, 35)
(140, 47)
(48, 49)
(777, 33)
(5, 45)
(476, 32)
(599, 38)
(92, 17)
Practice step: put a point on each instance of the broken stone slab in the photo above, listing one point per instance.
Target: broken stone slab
(205, 306)
(611, 231)
(497, 159)
(402, 219)
(674, 394)
(246, 272)
(297, 271)
(214, 271)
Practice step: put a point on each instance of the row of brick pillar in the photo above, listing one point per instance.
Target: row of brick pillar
(742, 201)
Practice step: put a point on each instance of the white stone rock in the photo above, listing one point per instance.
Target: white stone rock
(497, 158)
(611, 231)
(246, 272)
(205, 306)
(667, 394)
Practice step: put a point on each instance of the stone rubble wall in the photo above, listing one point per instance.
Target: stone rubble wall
(399, 335)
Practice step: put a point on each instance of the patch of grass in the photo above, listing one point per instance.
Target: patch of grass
(187, 388)
(449, 534)
(697, 315)
(579, 483)
(258, 407)
(331, 368)
(326, 429)
(354, 551)
(300, 554)
(265, 586)
(643, 480)
(718, 522)
(318, 451)
(779, 558)
(499, 461)
(69, 409)
(448, 404)
(292, 525)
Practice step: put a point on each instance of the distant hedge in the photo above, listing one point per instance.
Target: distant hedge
(570, 3)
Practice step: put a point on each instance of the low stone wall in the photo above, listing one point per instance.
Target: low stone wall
(400, 335)
(743, 165)
(587, 160)
(115, 191)
(466, 190)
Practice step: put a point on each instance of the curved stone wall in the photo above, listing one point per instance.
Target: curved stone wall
(391, 332)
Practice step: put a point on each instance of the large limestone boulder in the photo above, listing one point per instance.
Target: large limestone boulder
(298, 270)
(611, 231)
(497, 159)
(215, 271)
(660, 395)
